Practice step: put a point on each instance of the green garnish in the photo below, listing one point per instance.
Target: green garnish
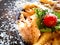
(57, 27)
(57, 14)
(45, 30)
(40, 15)
(58, 21)
(40, 12)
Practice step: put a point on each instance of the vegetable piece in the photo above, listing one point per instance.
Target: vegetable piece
(50, 20)
(57, 27)
(45, 30)
(58, 21)
(45, 37)
(40, 13)
(57, 14)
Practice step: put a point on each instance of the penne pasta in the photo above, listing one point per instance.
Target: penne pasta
(45, 37)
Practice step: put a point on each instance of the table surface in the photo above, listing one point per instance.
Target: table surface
(8, 33)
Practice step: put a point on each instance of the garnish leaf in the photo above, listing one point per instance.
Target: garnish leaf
(40, 14)
(58, 21)
(57, 14)
(45, 30)
(57, 27)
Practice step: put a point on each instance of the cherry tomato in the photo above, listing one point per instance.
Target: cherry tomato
(50, 20)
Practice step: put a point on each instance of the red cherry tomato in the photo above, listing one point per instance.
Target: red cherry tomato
(50, 20)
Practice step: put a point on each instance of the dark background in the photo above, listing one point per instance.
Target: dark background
(8, 34)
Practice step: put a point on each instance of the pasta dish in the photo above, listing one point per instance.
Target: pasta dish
(40, 26)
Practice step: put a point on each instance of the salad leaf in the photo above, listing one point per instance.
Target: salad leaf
(57, 14)
(58, 21)
(57, 27)
(46, 30)
(40, 14)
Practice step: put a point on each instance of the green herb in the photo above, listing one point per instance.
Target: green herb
(45, 30)
(57, 14)
(57, 27)
(40, 14)
(38, 22)
(58, 21)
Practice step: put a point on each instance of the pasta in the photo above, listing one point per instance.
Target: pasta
(30, 32)
(44, 38)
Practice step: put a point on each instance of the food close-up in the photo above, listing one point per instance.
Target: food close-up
(39, 24)
(30, 22)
